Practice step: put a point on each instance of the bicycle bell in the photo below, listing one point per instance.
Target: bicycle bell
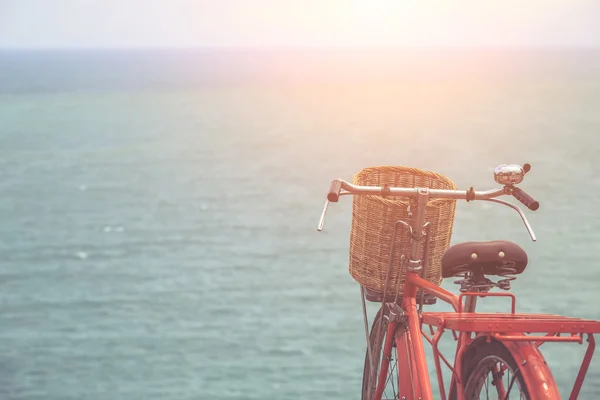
(509, 174)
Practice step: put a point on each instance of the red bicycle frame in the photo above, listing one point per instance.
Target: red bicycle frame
(508, 328)
(469, 329)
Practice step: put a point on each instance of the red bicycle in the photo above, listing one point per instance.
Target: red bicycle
(496, 356)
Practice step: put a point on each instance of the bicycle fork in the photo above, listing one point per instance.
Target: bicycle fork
(413, 375)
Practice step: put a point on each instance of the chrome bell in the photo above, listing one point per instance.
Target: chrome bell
(509, 174)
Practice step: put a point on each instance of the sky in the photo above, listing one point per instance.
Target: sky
(275, 23)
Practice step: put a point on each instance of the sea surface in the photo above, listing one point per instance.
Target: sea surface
(158, 209)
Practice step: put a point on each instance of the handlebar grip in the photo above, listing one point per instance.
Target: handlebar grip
(526, 199)
(334, 191)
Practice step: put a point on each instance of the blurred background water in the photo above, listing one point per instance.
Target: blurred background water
(158, 209)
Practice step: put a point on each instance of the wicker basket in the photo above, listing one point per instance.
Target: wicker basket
(373, 221)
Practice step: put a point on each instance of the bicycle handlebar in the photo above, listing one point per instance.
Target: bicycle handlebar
(526, 199)
(334, 191)
(508, 176)
(338, 184)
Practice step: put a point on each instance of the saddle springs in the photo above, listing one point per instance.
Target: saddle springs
(474, 280)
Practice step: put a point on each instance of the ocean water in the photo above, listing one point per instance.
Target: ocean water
(158, 209)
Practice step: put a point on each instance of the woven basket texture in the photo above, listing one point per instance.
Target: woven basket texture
(373, 221)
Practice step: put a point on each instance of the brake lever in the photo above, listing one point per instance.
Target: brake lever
(322, 220)
(521, 213)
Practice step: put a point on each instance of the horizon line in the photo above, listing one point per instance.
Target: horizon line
(306, 47)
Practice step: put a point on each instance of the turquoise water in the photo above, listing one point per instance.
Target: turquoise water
(158, 211)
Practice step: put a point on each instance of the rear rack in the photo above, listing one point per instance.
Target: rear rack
(513, 328)
(495, 323)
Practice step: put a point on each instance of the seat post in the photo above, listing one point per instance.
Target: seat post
(480, 282)
(470, 304)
